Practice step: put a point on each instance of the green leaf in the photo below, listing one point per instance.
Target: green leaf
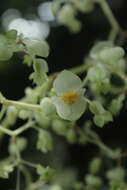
(46, 173)
(45, 141)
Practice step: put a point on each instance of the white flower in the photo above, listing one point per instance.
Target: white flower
(70, 102)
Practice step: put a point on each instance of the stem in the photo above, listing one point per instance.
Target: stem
(28, 163)
(17, 131)
(6, 131)
(23, 128)
(18, 169)
(2, 112)
(27, 176)
(115, 27)
(20, 105)
(18, 179)
(81, 69)
(108, 151)
(95, 139)
(36, 185)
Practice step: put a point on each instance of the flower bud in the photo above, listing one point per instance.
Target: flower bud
(47, 106)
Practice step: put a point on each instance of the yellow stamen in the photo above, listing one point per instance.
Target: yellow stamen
(69, 97)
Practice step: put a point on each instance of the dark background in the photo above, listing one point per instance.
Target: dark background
(66, 50)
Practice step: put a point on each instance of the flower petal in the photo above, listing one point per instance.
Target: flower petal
(70, 112)
(62, 109)
(77, 109)
(67, 82)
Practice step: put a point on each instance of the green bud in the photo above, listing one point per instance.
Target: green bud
(56, 187)
(102, 119)
(5, 170)
(46, 173)
(55, 7)
(24, 114)
(66, 14)
(93, 181)
(60, 127)
(40, 65)
(28, 60)
(116, 174)
(47, 106)
(5, 53)
(84, 6)
(43, 120)
(117, 104)
(95, 165)
(11, 115)
(74, 26)
(71, 136)
(99, 46)
(19, 145)
(96, 108)
(45, 141)
(11, 34)
(111, 55)
(37, 47)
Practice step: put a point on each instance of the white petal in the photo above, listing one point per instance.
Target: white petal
(67, 82)
(77, 109)
(70, 112)
(62, 109)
